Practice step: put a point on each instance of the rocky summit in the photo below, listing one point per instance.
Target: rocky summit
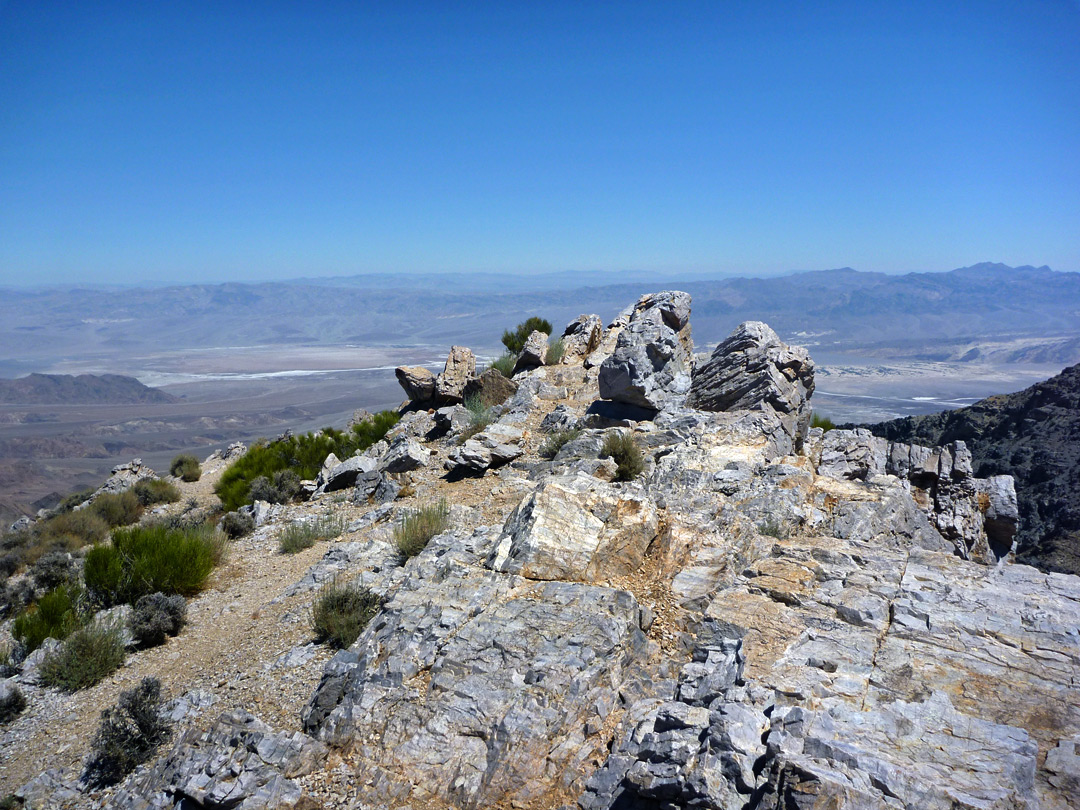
(756, 615)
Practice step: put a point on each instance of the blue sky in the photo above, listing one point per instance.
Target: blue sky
(177, 141)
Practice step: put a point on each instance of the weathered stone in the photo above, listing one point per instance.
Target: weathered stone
(561, 418)
(239, 763)
(403, 455)
(582, 337)
(852, 454)
(460, 368)
(576, 527)
(653, 356)
(417, 382)
(337, 475)
(491, 388)
(533, 353)
(753, 369)
(452, 418)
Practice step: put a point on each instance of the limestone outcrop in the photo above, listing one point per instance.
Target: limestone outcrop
(459, 369)
(417, 382)
(653, 357)
(753, 369)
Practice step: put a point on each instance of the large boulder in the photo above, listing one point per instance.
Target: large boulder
(753, 369)
(582, 337)
(460, 368)
(653, 358)
(533, 353)
(417, 381)
(492, 388)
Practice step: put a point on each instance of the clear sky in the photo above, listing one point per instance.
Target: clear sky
(194, 141)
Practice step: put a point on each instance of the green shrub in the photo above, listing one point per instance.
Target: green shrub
(151, 491)
(186, 467)
(417, 526)
(504, 364)
(554, 443)
(555, 351)
(341, 612)
(625, 452)
(480, 416)
(8, 664)
(823, 422)
(237, 524)
(282, 488)
(89, 655)
(515, 341)
(145, 559)
(304, 534)
(117, 509)
(156, 617)
(9, 802)
(56, 615)
(129, 734)
(303, 455)
(71, 530)
(11, 705)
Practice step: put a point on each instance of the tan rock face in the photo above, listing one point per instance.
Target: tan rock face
(460, 368)
(418, 383)
(578, 528)
(582, 337)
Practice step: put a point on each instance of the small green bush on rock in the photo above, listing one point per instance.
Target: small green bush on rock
(156, 617)
(186, 467)
(417, 526)
(504, 364)
(53, 569)
(12, 704)
(555, 351)
(625, 452)
(129, 734)
(87, 656)
(480, 416)
(823, 422)
(515, 341)
(282, 487)
(554, 443)
(341, 612)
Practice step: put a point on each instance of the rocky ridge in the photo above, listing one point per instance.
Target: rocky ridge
(767, 617)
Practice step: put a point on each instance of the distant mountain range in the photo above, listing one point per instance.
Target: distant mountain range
(1033, 435)
(925, 315)
(84, 389)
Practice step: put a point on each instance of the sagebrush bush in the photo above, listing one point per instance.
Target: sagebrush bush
(554, 443)
(555, 351)
(823, 422)
(773, 527)
(8, 662)
(282, 487)
(55, 615)
(157, 616)
(504, 364)
(341, 611)
(301, 535)
(303, 455)
(623, 449)
(186, 467)
(52, 569)
(87, 656)
(145, 559)
(416, 527)
(480, 416)
(515, 341)
(129, 734)
(12, 704)
(70, 530)
(151, 491)
(117, 509)
(69, 502)
(237, 524)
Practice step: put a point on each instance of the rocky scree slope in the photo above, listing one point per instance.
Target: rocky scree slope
(765, 617)
(1033, 435)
